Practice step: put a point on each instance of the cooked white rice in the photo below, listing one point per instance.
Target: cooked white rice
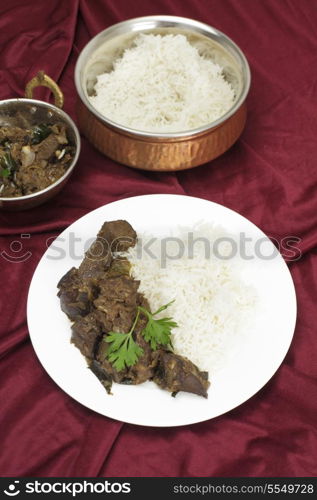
(213, 306)
(162, 84)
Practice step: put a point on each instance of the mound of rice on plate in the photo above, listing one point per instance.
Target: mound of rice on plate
(213, 306)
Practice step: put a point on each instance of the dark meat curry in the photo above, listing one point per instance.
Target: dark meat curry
(102, 300)
(31, 159)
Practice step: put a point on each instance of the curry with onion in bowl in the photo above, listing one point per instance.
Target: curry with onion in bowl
(33, 158)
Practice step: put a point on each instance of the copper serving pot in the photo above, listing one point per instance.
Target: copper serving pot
(161, 151)
(17, 112)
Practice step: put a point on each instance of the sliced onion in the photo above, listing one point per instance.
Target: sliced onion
(27, 156)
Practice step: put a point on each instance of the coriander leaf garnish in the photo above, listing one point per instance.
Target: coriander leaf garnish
(123, 351)
(126, 355)
(158, 331)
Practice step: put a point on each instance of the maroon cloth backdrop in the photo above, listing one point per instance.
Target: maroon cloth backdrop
(269, 176)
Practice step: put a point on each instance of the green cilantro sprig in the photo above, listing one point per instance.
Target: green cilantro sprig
(158, 331)
(123, 351)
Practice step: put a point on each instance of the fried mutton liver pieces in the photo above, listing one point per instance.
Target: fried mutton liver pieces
(101, 297)
(176, 373)
(75, 295)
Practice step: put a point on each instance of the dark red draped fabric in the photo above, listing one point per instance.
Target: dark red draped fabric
(269, 176)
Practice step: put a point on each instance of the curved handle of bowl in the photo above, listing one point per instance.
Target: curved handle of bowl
(41, 79)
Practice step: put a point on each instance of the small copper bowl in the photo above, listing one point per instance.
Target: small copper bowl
(18, 112)
(158, 151)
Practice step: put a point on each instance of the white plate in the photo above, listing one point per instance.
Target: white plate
(257, 360)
